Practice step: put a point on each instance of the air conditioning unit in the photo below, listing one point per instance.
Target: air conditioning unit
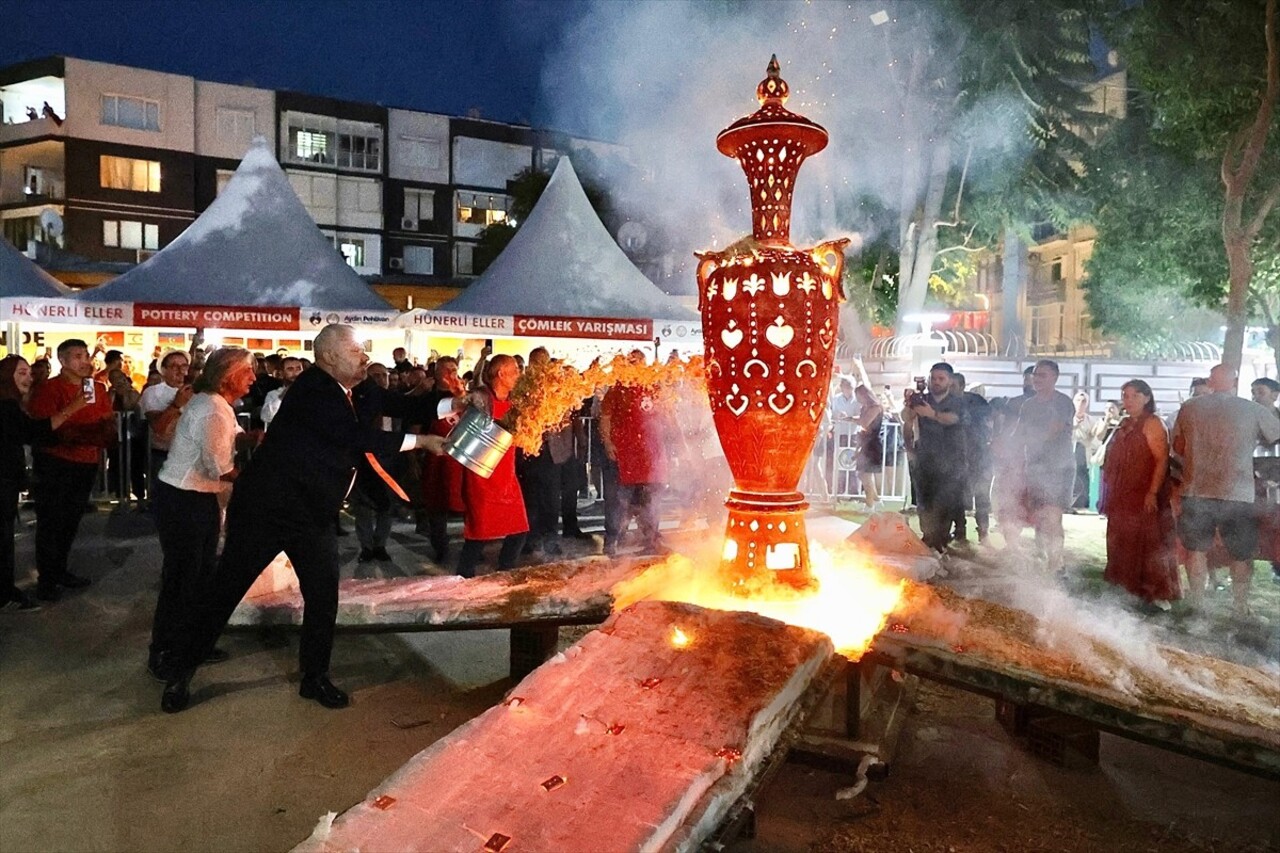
(408, 224)
(395, 263)
(144, 254)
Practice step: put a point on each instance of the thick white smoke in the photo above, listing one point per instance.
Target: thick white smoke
(664, 78)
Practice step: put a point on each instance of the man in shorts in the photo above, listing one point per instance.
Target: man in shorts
(1215, 436)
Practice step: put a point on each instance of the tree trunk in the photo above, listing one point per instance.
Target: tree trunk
(1239, 168)
(1012, 281)
(922, 244)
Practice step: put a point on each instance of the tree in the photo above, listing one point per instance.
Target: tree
(1212, 71)
(1156, 213)
(1016, 72)
(526, 187)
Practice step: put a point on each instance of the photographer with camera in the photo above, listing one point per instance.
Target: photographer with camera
(935, 420)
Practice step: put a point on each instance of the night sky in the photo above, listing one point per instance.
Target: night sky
(448, 57)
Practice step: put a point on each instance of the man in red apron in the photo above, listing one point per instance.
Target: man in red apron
(493, 508)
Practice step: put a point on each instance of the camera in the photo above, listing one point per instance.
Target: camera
(917, 397)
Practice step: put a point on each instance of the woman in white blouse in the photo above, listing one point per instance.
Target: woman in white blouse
(198, 471)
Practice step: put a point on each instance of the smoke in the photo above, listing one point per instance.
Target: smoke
(663, 79)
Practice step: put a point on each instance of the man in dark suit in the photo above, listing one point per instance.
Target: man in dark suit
(286, 500)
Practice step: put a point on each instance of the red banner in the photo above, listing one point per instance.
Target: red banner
(584, 327)
(215, 317)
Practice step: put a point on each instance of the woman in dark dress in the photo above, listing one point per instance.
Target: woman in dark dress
(1140, 544)
(16, 430)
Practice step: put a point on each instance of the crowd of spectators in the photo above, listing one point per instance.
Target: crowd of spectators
(1188, 490)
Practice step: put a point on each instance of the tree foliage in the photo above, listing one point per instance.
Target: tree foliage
(996, 128)
(1210, 72)
(525, 188)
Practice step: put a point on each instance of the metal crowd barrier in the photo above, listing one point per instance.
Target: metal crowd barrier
(833, 474)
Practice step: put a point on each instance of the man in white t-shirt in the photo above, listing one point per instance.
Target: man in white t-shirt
(290, 369)
(162, 403)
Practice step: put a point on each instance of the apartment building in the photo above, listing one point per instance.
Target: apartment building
(111, 163)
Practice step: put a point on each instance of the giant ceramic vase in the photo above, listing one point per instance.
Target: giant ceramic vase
(769, 314)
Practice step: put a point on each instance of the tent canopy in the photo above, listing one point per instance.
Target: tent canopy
(563, 263)
(255, 245)
(19, 276)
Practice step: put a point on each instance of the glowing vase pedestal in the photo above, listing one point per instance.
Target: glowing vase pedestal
(769, 322)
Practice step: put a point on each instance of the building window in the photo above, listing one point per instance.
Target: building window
(419, 204)
(235, 125)
(1046, 325)
(423, 154)
(362, 153)
(482, 208)
(134, 113)
(125, 234)
(1055, 270)
(420, 260)
(328, 141)
(312, 146)
(351, 249)
(462, 259)
(125, 173)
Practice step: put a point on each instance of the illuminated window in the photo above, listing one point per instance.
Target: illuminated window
(126, 234)
(482, 208)
(133, 113)
(126, 173)
(352, 250)
(329, 141)
(309, 145)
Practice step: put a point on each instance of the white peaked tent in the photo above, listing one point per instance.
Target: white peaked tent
(19, 276)
(255, 245)
(563, 263)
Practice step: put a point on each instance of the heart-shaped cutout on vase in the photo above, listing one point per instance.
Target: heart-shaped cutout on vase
(779, 334)
(731, 337)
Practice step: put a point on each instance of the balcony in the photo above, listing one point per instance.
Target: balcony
(32, 129)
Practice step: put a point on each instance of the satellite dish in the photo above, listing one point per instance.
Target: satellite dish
(51, 222)
(632, 235)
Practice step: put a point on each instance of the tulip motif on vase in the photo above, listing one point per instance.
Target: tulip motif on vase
(769, 318)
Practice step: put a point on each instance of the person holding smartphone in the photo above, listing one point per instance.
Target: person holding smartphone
(66, 468)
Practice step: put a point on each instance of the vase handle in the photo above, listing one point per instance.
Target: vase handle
(706, 266)
(831, 257)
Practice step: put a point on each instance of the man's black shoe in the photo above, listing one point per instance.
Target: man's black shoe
(366, 555)
(71, 581)
(321, 689)
(48, 591)
(159, 667)
(217, 656)
(381, 555)
(177, 693)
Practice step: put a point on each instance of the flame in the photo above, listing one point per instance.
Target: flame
(851, 601)
(679, 638)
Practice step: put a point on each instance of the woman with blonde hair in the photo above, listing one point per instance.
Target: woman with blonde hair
(196, 474)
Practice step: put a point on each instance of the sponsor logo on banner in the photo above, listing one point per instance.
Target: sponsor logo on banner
(584, 327)
(209, 316)
(314, 318)
(26, 310)
(679, 330)
(454, 323)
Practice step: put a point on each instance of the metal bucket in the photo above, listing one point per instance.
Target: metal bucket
(478, 442)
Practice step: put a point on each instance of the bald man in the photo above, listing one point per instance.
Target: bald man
(285, 501)
(1215, 435)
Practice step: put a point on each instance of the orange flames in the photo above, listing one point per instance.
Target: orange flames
(850, 602)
